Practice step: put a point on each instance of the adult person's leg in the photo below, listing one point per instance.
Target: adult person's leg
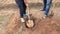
(48, 5)
(22, 8)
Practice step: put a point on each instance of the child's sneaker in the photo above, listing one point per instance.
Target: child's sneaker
(44, 17)
(22, 20)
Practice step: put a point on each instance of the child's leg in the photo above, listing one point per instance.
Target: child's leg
(22, 7)
(48, 5)
(44, 1)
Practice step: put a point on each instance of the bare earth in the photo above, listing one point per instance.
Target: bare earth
(10, 20)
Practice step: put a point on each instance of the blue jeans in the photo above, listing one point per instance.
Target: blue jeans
(21, 6)
(47, 5)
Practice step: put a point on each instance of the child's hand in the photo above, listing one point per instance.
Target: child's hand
(26, 3)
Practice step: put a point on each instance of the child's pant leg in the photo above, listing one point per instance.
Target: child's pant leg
(22, 7)
(48, 5)
(44, 1)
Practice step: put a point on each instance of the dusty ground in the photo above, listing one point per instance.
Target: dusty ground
(10, 23)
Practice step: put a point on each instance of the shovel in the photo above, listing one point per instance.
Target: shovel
(29, 22)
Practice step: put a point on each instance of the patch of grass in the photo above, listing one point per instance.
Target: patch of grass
(1, 18)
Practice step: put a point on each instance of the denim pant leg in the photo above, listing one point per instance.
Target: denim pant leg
(48, 5)
(44, 1)
(22, 7)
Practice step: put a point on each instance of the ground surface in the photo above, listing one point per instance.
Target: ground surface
(10, 23)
